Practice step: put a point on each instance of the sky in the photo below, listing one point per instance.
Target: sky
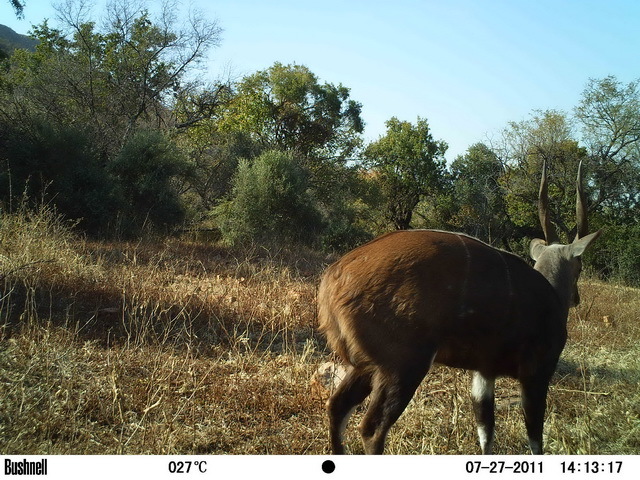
(468, 67)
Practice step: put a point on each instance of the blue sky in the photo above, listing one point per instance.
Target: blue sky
(469, 67)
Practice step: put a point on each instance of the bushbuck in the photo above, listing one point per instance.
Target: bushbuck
(392, 307)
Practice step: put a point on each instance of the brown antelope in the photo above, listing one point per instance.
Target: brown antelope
(392, 307)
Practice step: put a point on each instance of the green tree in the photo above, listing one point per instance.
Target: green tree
(609, 114)
(286, 107)
(617, 257)
(409, 164)
(213, 152)
(57, 164)
(547, 136)
(214, 159)
(479, 195)
(118, 78)
(349, 208)
(119, 82)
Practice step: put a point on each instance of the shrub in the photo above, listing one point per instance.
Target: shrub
(144, 171)
(617, 256)
(57, 164)
(269, 202)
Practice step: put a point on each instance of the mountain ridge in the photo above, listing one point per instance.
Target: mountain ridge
(10, 40)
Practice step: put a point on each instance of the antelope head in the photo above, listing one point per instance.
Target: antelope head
(561, 264)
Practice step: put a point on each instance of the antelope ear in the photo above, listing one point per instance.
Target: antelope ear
(580, 245)
(536, 248)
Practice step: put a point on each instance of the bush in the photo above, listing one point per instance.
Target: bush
(144, 171)
(57, 164)
(270, 202)
(64, 166)
(616, 256)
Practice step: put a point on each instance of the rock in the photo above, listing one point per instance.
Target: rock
(326, 379)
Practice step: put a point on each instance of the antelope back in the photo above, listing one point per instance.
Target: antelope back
(409, 292)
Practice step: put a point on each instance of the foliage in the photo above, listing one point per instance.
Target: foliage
(60, 165)
(214, 156)
(18, 7)
(57, 164)
(348, 202)
(609, 114)
(616, 256)
(409, 165)
(546, 136)
(144, 172)
(107, 121)
(116, 79)
(89, 113)
(269, 202)
(285, 107)
(479, 196)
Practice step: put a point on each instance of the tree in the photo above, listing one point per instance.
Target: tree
(213, 152)
(479, 195)
(145, 172)
(115, 87)
(214, 157)
(609, 113)
(57, 164)
(409, 164)
(547, 136)
(286, 108)
(117, 79)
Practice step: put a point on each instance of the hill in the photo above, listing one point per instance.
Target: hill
(10, 40)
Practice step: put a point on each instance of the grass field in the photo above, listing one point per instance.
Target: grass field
(178, 347)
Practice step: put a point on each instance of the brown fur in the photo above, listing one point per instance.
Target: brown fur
(388, 301)
(392, 305)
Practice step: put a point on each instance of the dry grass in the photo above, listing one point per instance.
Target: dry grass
(175, 347)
